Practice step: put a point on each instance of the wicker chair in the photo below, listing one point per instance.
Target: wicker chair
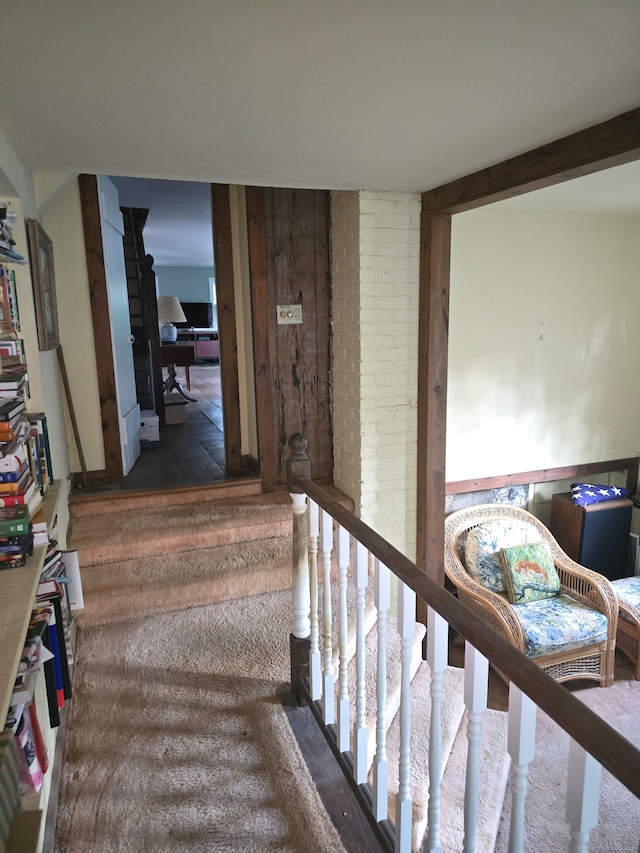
(628, 639)
(592, 660)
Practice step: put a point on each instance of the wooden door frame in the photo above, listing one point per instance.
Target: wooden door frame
(605, 145)
(113, 472)
(227, 331)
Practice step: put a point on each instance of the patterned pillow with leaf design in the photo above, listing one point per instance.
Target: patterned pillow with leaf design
(484, 544)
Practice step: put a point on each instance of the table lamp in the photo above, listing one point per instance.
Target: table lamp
(169, 312)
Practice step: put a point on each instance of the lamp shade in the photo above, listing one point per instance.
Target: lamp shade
(170, 310)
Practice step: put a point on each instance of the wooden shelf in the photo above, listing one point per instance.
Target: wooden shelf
(17, 594)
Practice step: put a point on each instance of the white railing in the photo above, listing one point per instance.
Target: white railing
(353, 558)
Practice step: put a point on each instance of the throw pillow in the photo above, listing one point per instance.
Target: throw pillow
(530, 573)
(483, 546)
(585, 494)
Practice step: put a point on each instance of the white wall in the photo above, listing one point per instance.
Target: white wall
(189, 284)
(62, 221)
(543, 333)
(375, 257)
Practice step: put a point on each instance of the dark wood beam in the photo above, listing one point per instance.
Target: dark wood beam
(101, 327)
(262, 347)
(610, 143)
(225, 293)
(433, 344)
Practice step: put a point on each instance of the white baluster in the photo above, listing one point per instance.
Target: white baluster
(344, 712)
(300, 581)
(476, 674)
(328, 678)
(437, 657)
(360, 733)
(404, 803)
(521, 741)
(315, 664)
(380, 761)
(583, 796)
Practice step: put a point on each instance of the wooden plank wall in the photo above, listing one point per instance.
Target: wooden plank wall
(289, 251)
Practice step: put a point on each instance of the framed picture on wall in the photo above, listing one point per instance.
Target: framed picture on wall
(44, 285)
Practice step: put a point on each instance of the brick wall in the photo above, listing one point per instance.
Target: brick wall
(375, 258)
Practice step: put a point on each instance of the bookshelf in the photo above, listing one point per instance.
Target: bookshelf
(18, 588)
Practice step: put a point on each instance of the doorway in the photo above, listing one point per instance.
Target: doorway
(201, 447)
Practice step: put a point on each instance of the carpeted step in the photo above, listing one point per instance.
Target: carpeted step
(163, 530)
(106, 501)
(494, 763)
(143, 530)
(393, 646)
(177, 581)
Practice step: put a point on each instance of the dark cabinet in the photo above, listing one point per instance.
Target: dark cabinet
(205, 341)
(595, 536)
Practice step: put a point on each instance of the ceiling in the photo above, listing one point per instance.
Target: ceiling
(340, 94)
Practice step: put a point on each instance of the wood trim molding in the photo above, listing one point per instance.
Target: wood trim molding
(433, 340)
(225, 291)
(263, 357)
(88, 185)
(546, 475)
(610, 143)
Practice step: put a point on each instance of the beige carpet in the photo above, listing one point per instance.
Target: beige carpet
(187, 527)
(618, 829)
(176, 581)
(177, 740)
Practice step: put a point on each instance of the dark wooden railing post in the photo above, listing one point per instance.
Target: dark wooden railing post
(298, 465)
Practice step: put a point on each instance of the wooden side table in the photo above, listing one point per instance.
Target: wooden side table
(177, 355)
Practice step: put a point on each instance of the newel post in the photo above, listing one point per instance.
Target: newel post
(298, 465)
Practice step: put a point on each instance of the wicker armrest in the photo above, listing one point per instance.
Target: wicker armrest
(585, 585)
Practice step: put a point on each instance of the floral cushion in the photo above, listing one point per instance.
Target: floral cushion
(483, 546)
(628, 590)
(529, 572)
(559, 624)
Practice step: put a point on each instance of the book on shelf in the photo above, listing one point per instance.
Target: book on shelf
(30, 770)
(17, 426)
(9, 782)
(51, 592)
(74, 587)
(20, 496)
(14, 458)
(51, 681)
(16, 484)
(14, 520)
(39, 422)
(35, 632)
(24, 687)
(11, 407)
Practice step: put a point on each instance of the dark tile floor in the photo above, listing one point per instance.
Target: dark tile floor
(189, 453)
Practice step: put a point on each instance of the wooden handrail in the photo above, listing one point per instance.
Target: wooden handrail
(603, 742)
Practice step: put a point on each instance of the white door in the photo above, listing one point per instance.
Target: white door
(121, 341)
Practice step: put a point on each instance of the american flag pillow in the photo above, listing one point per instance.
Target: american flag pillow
(585, 494)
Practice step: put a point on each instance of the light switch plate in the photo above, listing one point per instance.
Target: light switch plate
(289, 314)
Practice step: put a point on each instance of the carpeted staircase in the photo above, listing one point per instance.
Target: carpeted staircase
(141, 555)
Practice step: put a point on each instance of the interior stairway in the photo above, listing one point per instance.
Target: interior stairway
(494, 759)
(157, 552)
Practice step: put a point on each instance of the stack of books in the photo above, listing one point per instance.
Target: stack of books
(23, 483)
